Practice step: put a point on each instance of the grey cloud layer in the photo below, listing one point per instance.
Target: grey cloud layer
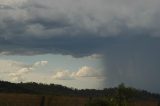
(76, 18)
(125, 31)
(62, 26)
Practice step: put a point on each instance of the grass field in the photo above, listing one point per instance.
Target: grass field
(36, 100)
(144, 103)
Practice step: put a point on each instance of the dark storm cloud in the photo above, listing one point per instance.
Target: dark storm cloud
(126, 32)
(35, 18)
(76, 46)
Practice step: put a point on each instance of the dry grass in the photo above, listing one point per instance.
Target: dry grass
(35, 100)
(144, 103)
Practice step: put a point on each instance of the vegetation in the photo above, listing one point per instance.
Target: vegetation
(34, 94)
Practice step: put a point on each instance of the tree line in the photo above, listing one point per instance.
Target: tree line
(120, 92)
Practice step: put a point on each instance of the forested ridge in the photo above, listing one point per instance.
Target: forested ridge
(54, 89)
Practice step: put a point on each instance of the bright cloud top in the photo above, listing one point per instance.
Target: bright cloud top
(63, 75)
(19, 75)
(83, 72)
(17, 70)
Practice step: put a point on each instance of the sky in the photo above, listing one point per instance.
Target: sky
(81, 43)
(58, 69)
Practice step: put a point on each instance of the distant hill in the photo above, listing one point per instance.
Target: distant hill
(53, 89)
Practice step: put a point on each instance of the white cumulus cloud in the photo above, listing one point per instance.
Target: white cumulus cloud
(83, 72)
(17, 71)
(18, 76)
(86, 71)
(63, 75)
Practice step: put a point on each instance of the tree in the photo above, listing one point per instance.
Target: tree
(122, 101)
